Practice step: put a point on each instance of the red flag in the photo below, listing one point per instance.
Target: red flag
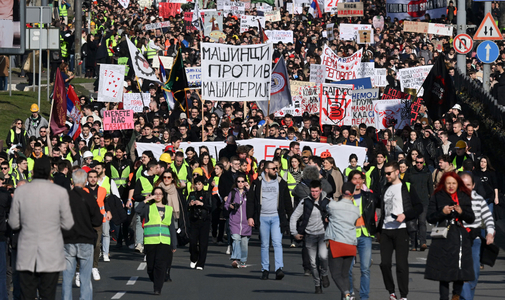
(59, 107)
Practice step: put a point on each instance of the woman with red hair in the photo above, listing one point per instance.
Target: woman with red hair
(450, 258)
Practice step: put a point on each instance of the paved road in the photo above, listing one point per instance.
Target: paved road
(125, 278)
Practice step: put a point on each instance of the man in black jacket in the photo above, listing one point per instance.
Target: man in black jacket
(269, 202)
(80, 240)
(398, 207)
(420, 179)
(5, 204)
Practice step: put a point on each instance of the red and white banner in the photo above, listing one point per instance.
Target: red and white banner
(265, 149)
(335, 104)
(306, 100)
(392, 112)
(341, 68)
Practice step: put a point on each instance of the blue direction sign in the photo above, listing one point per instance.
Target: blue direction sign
(488, 52)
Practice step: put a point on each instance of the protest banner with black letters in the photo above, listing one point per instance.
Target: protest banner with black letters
(236, 73)
(341, 68)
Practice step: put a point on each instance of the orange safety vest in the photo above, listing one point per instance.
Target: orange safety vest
(100, 200)
(167, 45)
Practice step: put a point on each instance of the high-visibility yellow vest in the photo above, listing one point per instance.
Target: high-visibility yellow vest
(99, 153)
(182, 174)
(31, 163)
(348, 170)
(289, 179)
(63, 10)
(120, 179)
(284, 163)
(106, 185)
(63, 47)
(362, 229)
(147, 187)
(150, 53)
(460, 169)
(69, 158)
(13, 135)
(368, 175)
(16, 176)
(156, 230)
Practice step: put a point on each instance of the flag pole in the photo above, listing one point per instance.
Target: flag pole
(203, 102)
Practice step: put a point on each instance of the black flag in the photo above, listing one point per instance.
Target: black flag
(439, 92)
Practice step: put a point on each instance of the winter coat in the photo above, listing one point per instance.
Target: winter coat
(422, 181)
(444, 262)
(238, 217)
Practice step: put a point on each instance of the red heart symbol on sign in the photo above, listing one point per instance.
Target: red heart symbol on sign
(115, 85)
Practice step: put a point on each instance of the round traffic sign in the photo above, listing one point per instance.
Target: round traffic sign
(487, 52)
(462, 43)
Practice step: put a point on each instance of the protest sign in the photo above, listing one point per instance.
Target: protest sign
(248, 22)
(212, 21)
(275, 36)
(136, 101)
(110, 84)
(317, 73)
(330, 6)
(391, 112)
(157, 25)
(297, 85)
(118, 120)
(167, 62)
(234, 8)
(338, 68)
(264, 149)
(306, 101)
(392, 93)
(367, 69)
(178, 1)
(335, 104)
(124, 3)
(350, 9)
(194, 76)
(409, 10)
(272, 16)
(431, 28)
(350, 32)
(419, 27)
(167, 10)
(359, 83)
(364, 36)
(264, 7)
(365, 94)
(380, 77)
(232, 73)
(188, 20)
(378, 22)
(329, 31)
(413, 78)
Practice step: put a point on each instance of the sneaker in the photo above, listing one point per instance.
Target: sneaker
(139, 248)
(392, 296)
(264, 275)
(96, 274)
(228, 250)
(77, 280)
(325, 281)
(307, 272)
(349, 297)
(293, 245)
(234, 264)
(192, 265)
(406, 298)
(319, 290)
(279, 274)
(199, 268)
(106, 257)
(242, 265)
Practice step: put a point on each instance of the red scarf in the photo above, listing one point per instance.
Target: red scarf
(454, 198)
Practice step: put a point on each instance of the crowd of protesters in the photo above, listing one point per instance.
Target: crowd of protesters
(155, 204)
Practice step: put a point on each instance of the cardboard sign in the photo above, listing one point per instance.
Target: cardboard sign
(432, 28)
(273, 16)
(317, 73)
(364, 36)
(307, 101)
(110, 84)
(248, 22)
(136, 101)
(118, 120)
(350, 9)
(236, 72)
(413, 78)
(212, 22)
(296, 86)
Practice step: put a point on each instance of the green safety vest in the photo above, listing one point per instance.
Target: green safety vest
(13, 135)
(46, 150)
(63, 10)
(122, 179)
(150, 53)
(182, 174)
(31, 163)
(368, 177)
(361, 230)
(16, 176)
(348, 170)
(156, 230)
(99, 153)
(147, 187)
(106, 185)
(69, 158)
(454, 163)
(63, 47)
(284, 163)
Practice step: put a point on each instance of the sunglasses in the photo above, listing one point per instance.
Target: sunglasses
(275, 169)
(42, 131)
(283, 132)
(19, 123)
(156, 132)
(240, 181)
(419, 162)
(97, 138)
(388, 173)
(167, 177)
(5, 168)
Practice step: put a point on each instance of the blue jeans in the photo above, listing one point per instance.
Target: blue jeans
(83, 253)
(106, 237)
(271, 226)
(240, 247)
(468, 291)
(316, 247)
(3, 83)
(3, 271)
(364, 248)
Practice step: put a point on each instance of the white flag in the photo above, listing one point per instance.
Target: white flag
(140, 64)
(197, 18)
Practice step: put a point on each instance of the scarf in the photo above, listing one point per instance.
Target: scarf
(172, 198)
